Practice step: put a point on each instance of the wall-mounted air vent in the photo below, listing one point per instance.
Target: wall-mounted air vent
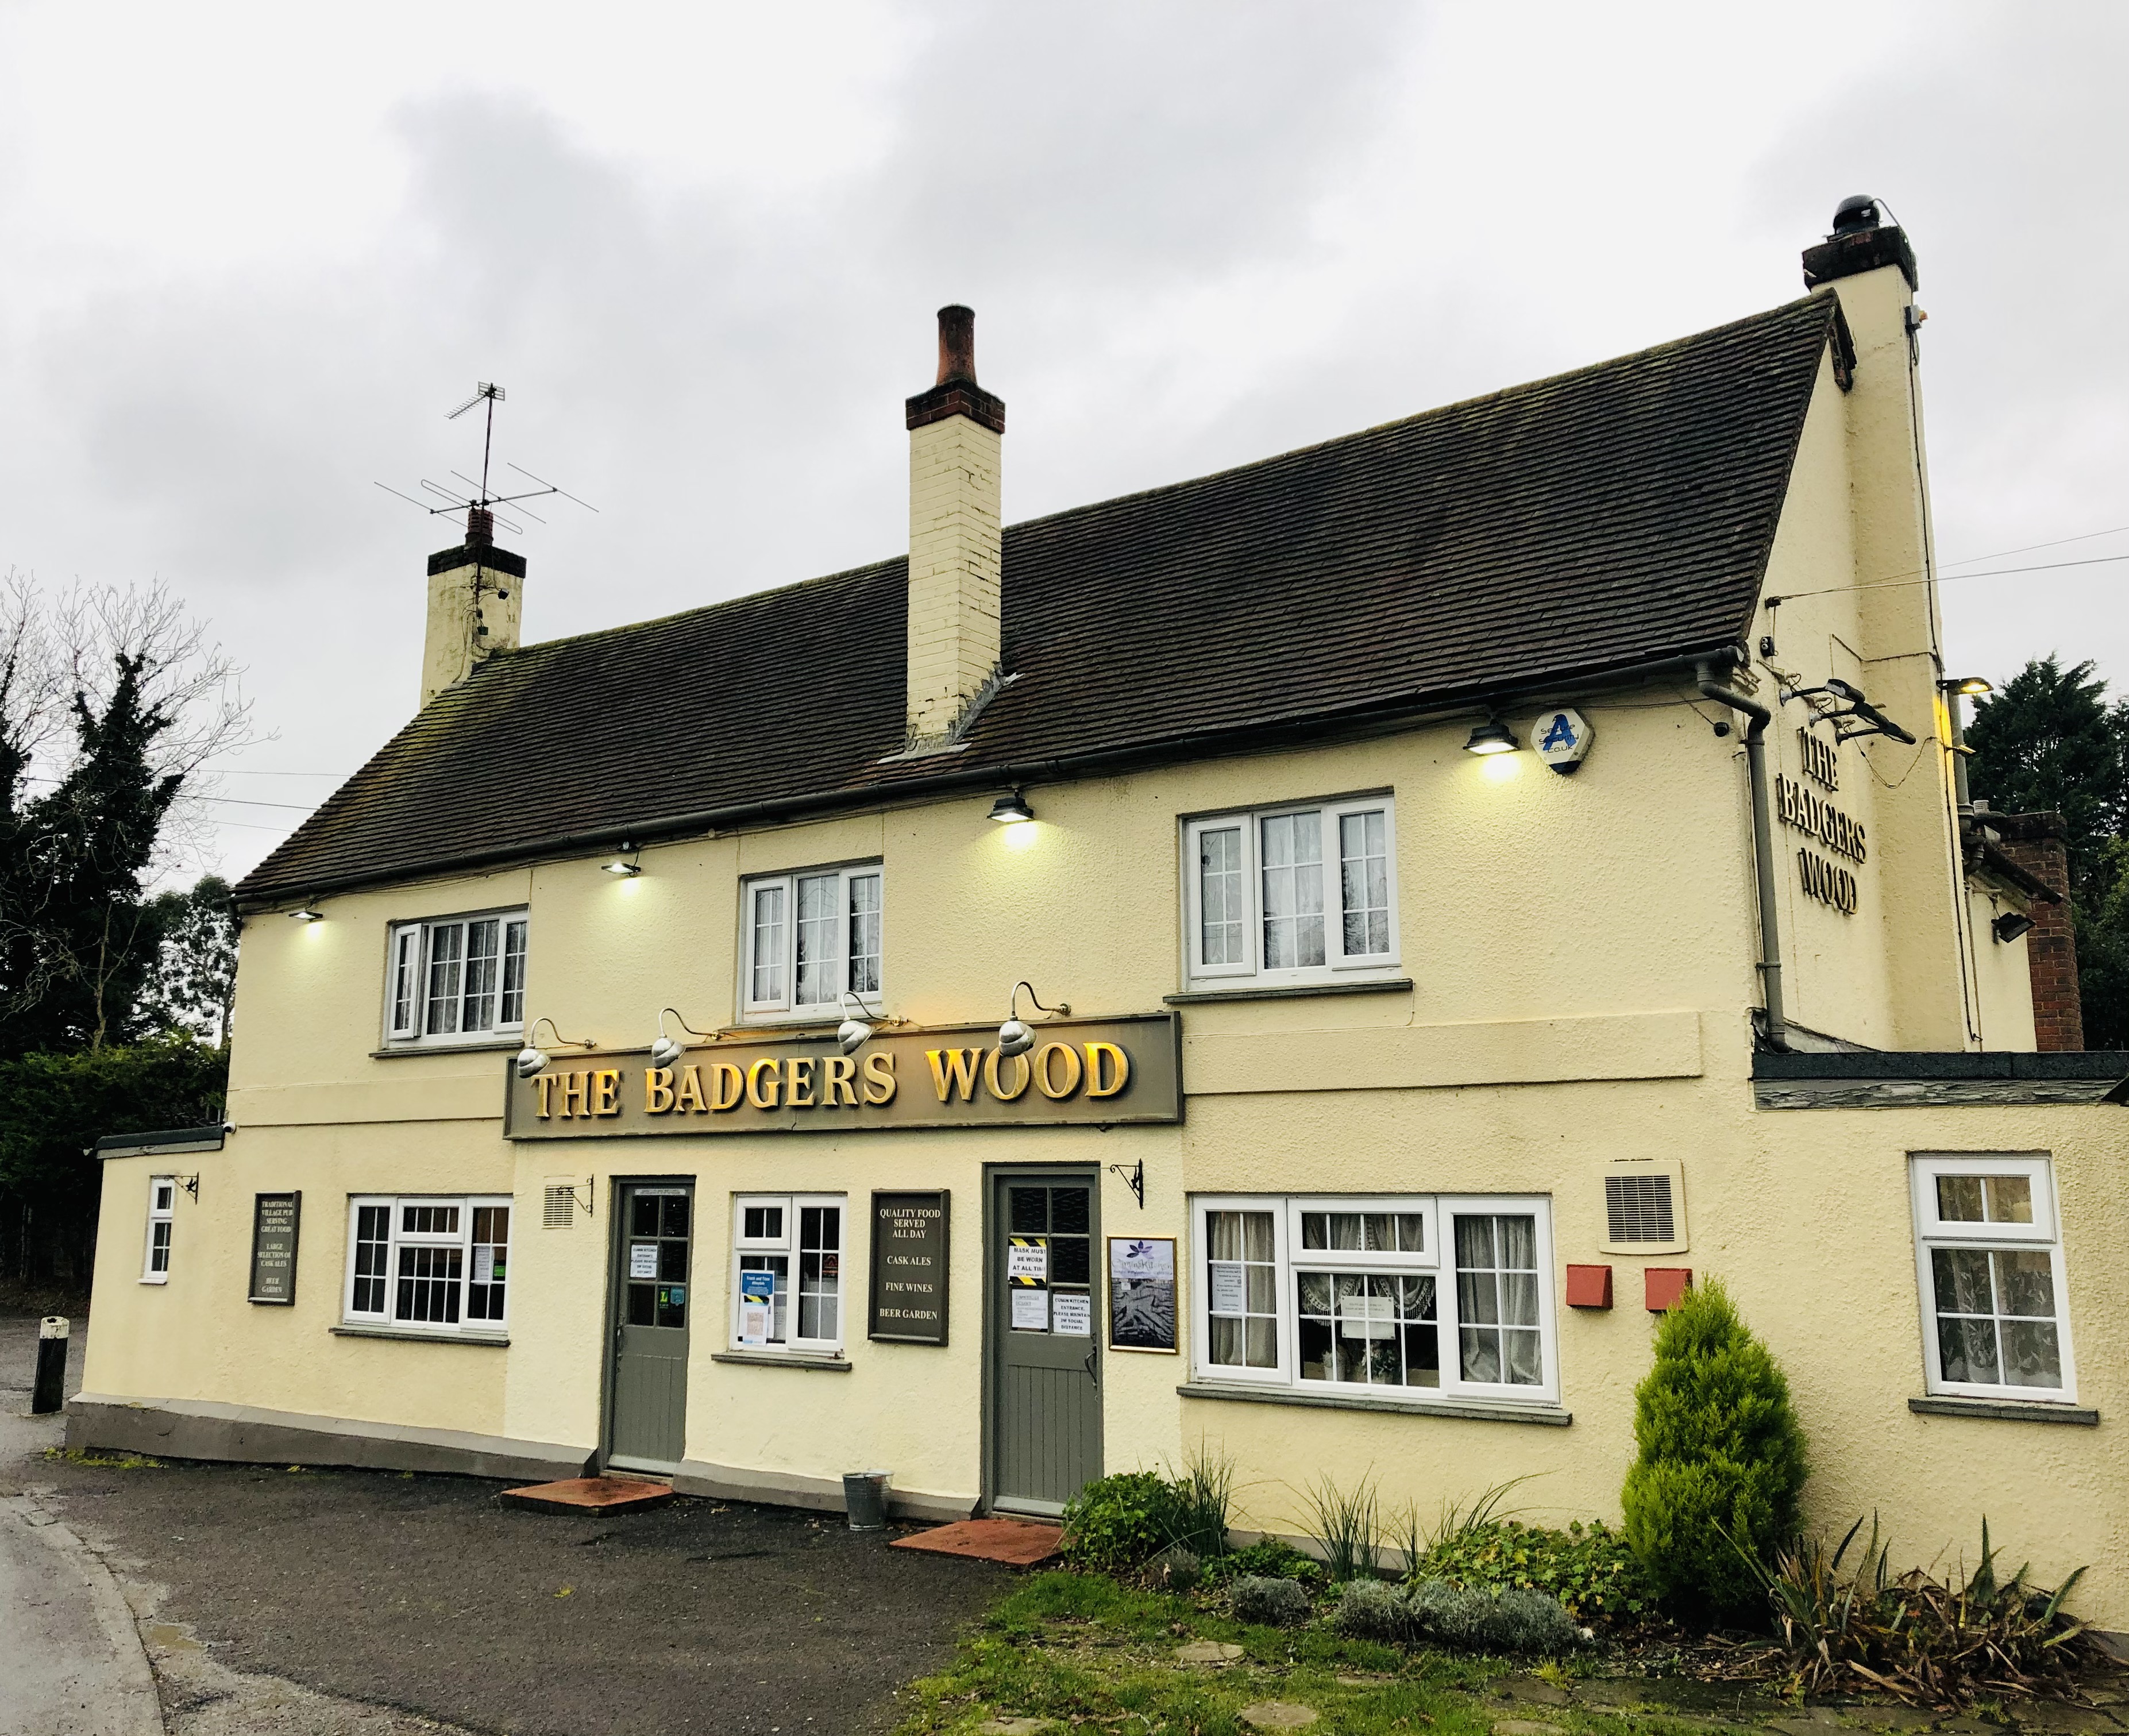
(561, 1206)
(1644, 1208)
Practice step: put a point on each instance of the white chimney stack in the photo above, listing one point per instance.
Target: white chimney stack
(475, 603)
(954, 433)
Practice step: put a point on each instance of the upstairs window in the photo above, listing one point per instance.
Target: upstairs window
(456, 981)
(808, 938)
(1988, 1247)
(1291, 894)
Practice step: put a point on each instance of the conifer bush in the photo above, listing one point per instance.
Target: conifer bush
(1711, 1499)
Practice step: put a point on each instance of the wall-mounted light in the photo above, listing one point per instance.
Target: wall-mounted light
(2008, 926)
(1492, 737)
(1012, 809)
(1014, 1037)
(304, 913)
(1969, 686)
(666, 1051)
(857, 1028)
(532, 1058)
(624, 865)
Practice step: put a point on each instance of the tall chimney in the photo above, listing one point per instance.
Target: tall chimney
(475, 600)
(955, 432)
(2037, 843)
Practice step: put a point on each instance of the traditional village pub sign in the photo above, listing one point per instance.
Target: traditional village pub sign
(1086, 1071)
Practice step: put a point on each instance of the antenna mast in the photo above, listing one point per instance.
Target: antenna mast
(480, 501)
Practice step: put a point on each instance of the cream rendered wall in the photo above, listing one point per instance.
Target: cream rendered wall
(2003, 977)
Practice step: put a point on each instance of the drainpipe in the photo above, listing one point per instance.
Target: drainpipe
(1763, 844)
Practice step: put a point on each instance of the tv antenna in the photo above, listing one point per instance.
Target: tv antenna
(475, 497)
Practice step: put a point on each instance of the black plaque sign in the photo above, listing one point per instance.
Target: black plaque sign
(274, 1218)
(909, 1268)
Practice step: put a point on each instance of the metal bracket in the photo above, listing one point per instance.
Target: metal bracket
(1134, 1178)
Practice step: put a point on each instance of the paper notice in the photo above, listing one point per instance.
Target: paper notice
(1026, 1262)
(483, 1265)
(1031, 1311)
(643, 1259)
(757, 1306)
(1226, 1290)
(1073, 1316)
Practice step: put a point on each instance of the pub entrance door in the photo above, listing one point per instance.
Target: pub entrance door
(1044, 1422)
(647, 1384)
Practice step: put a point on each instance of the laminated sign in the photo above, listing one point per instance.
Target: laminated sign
(757, 1307)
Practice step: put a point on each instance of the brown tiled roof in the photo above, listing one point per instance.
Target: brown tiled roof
(1550, 533)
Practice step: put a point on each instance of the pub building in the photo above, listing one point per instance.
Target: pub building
(1306, 962)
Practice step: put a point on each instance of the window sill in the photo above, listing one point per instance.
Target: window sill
(398, 1051)
(2006, 1410)
(1477, 1410)
(1294, 991)
(406, 1336)
(782, 1359)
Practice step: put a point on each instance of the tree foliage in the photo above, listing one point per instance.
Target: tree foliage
(1715, 1487)
(2051, 741)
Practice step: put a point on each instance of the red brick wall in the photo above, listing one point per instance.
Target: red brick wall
(2035, 842)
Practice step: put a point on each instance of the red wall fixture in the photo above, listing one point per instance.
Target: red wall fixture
(1589, 1286)
(1667, 1286)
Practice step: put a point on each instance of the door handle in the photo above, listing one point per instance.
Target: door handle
(1089, 1365)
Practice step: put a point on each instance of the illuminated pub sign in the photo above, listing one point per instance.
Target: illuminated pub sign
(1092, 1072)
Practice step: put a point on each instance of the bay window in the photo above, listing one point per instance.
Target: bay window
(807, 937)
(1988, 1252)
(1409, 1296)
(427, 1264)
(1291, 894)
(456, 980)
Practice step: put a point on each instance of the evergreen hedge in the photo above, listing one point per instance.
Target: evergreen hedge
(1721, 1464)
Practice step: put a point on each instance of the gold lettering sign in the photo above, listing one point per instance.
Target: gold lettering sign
(1092, 1071)
(1800, 808)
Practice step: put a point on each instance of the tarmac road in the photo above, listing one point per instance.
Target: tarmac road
(400, 1600)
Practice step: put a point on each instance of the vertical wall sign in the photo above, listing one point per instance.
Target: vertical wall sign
(275, 1218)
(1142, 1293)
(909, 1268)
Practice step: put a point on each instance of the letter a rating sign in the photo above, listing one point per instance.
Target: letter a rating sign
(1561, 738)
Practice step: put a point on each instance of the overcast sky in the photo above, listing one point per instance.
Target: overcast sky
(255, 254)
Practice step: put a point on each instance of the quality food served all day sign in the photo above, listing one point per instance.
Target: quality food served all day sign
(1095, 1072)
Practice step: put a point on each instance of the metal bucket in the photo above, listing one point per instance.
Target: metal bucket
(865, 1499)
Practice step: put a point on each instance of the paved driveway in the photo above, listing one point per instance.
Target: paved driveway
(425, 1594)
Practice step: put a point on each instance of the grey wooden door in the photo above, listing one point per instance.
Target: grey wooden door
(647, 1402)
(1044, 1424)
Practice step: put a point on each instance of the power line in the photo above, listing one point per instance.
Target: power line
(2001, 554)
(1894, 584)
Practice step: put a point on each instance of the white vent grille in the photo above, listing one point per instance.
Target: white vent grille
(1637, 1208)
(561, 1210)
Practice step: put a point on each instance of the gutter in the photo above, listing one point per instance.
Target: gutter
(1256, 734)
(1775, 1023)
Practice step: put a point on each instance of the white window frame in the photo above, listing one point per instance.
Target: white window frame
(783, 1005)
(1338, 965)
(787, 1244)
(409, 964)
(397, 1237)
(163, 1215)
(1437, 1259)
(2044, 1234)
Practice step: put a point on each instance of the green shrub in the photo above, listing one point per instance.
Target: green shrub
(1175, 1568)
(1116, 1523)
(1271, 1558)
(1369, 1608)
(1277, 1603)
(1202, 1496)
(1471, 1619)
(1589, 1567)
(1343, 1524)
(1713, 1497)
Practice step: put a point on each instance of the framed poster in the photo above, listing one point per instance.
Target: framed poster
(275, 1218)
(908, 1298)
(1142, 1293)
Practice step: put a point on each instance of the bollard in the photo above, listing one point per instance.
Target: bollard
(50, 1393)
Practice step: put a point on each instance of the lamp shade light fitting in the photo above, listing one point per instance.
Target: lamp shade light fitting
(1015, 1036)
(1011, 810)
(1492, 737)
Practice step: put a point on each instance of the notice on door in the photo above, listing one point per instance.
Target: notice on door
(1031, 1311)
(909, 1268)
(1026, 1262)
(1073, 1315)
(275, 1220)
(643, 1259)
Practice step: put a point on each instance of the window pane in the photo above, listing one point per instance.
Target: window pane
(1961, 1280)
(1379, 1232)
(864, 934)
(483, 970)
(817, 922)
(373, 1231)
(1222, 900)
(1958, 1200)
(1966, 1349)
(2025, 1285)
(1996, 1320)
(768, 973)
(1242, 1290)
(1365, 877)
(2009, 1199)
(1292, 858)
(406, 981)
(1315, 1229)
(512, 1009)
(446, 961)
(2031, 1355)
(486, 1283)
(1496, 1300)
(428, 1289)
(1412, 1233)
(672, 1213)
